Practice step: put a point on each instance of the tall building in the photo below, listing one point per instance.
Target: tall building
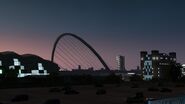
(183, 69)
(120, 62)
(156, 65)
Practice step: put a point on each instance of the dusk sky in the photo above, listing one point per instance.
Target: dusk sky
(112, 27)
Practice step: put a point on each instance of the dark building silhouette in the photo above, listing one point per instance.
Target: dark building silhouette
(156, 65)
(26, 65)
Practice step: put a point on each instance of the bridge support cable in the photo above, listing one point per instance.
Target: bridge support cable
(68, 54)
(58, 59)
(88, 54)
(64, 60)
(69, 64)
(77, 53)
(72, 54)
(82, 53)
(92, 59)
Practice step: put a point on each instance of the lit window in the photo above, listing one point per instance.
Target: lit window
(157, 58)
(11, 67)
(39, 64)
(35, 72)
(45, 72)
(0, 63)
(20, 72)
(166, 58)
(40, 67)
(15, 60)
(153, 58)
(17, 63)
(21, 75)
(142, 58)
(1, 71)
(22, 67)
(161, 57)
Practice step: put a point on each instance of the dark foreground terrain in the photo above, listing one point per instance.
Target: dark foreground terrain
(90, 94)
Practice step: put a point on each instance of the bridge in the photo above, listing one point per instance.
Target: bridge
(72, 52)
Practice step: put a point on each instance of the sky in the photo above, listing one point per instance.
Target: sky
(112, 27)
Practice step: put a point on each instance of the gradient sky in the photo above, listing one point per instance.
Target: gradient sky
(112, 27)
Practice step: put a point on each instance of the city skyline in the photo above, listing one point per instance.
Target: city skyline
(111, 27)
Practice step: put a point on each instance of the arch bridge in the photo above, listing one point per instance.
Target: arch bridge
(67, 58)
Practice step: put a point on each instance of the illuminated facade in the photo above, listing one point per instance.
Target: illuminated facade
(1, 70)
(22, 72)
(120, 62)
(39, 71)
(183, 69)
(156, 65)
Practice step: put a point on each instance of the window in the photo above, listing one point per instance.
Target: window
(142, 58)
(22, 67)
(40, 67)
(35, 72)
(45, 72)
(20, 72)
(143, 72)
(16, 62)
(39, 64)
(11, 67)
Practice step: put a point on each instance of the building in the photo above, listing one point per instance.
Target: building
(156, 65)
(120, 62)
(183, 69)
(25, 65)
